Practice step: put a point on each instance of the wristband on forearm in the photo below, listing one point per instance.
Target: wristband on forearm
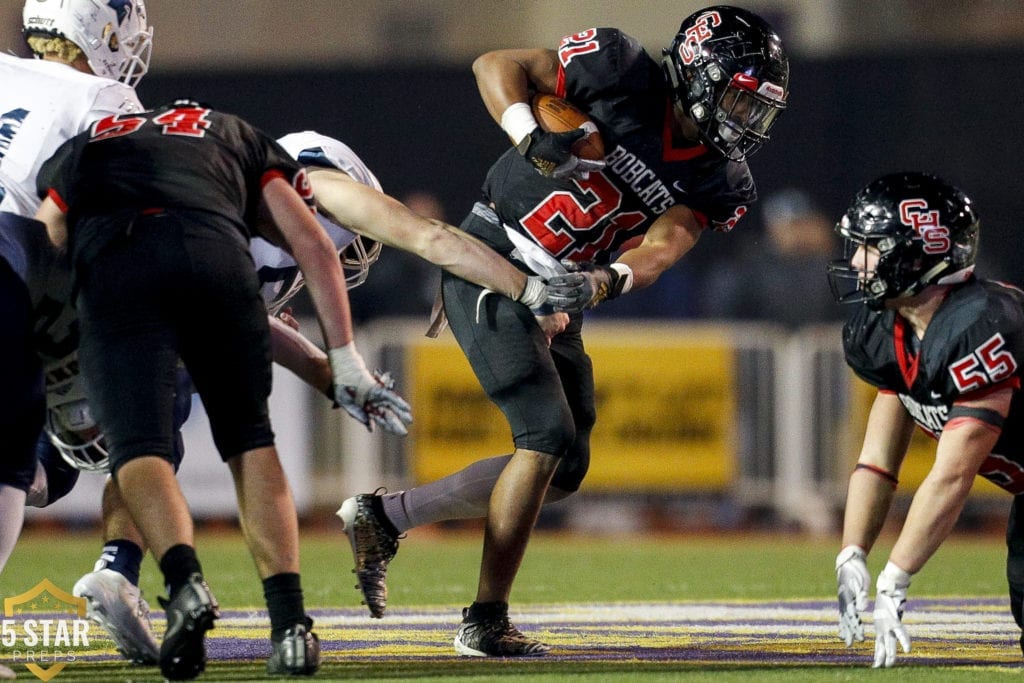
(518, 121)
(623, 282)
(534, 292)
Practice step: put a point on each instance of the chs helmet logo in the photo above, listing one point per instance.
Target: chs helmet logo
(44, 628)
(689, 48)
(914, 213)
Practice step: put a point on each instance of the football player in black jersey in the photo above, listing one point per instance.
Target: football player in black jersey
(677, 133)
(160, 207)
(944, 349)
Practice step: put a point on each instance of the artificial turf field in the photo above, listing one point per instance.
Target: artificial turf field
(723, 607)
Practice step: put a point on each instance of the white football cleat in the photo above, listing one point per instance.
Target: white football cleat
(116, 605)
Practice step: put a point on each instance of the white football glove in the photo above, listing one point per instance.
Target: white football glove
(890, 594)
(368, 398)
(853, 578)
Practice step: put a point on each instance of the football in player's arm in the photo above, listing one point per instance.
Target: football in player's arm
(675, 165)
(943, 348)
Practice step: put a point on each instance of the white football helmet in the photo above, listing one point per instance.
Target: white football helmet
(356, 260)
(112, 33)
(76, 436)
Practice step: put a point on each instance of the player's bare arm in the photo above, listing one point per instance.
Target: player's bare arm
(505, 77)
(56, 222)
(962, 449)
(305, 240)
(586, 285)
(292, 350)
(373, 214)
(669, 238)
(873, 481)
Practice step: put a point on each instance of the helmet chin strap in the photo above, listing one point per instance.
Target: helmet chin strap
(924, 280)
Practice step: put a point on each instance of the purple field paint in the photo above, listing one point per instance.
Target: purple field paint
(952, 632)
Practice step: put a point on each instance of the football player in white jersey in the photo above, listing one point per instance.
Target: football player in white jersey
(89, 55)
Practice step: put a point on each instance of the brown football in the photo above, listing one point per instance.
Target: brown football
(556, 115)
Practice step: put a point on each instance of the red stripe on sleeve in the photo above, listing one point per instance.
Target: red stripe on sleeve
(1012, 383)
(272, 174)
(560, 82)
(58, 200)
(957, 422)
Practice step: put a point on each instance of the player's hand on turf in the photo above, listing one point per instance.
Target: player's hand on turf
(551, 153)
(369, 398)
(853, 578)
(890, 595)
(584, 286)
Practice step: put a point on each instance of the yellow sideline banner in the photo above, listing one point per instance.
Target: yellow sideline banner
(666, 411)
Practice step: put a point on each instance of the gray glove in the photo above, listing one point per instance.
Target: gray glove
(890, 595)
(585, 285)
(853, 578)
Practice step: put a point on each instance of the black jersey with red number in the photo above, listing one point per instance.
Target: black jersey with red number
(180, 157)
(973, 344)
(608, 75)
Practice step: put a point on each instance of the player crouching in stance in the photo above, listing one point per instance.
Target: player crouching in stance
(944, 348)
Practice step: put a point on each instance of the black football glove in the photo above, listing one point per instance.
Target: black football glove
(551, 153)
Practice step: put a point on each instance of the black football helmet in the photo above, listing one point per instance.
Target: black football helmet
(925, 231)
(729, 74)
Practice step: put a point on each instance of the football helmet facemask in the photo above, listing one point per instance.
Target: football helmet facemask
(729, 74)
(112, 33)
(76, 436)
(356, 259)
(925, 232)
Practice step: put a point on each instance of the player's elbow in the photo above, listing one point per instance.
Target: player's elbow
(485, 63)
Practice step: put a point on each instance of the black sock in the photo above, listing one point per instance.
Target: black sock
(177, 564)
(486, 611)
(283, 593)
(124, 557)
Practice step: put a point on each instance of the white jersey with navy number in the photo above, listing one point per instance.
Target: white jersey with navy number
(280, 278)
(42, 104)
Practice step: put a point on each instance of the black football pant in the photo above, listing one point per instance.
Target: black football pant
(1015, 561)
(546, 393)
(22, 401)
(173, 285)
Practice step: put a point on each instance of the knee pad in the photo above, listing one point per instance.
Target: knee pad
(550, 432)
(574, 465)
(58, 478)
